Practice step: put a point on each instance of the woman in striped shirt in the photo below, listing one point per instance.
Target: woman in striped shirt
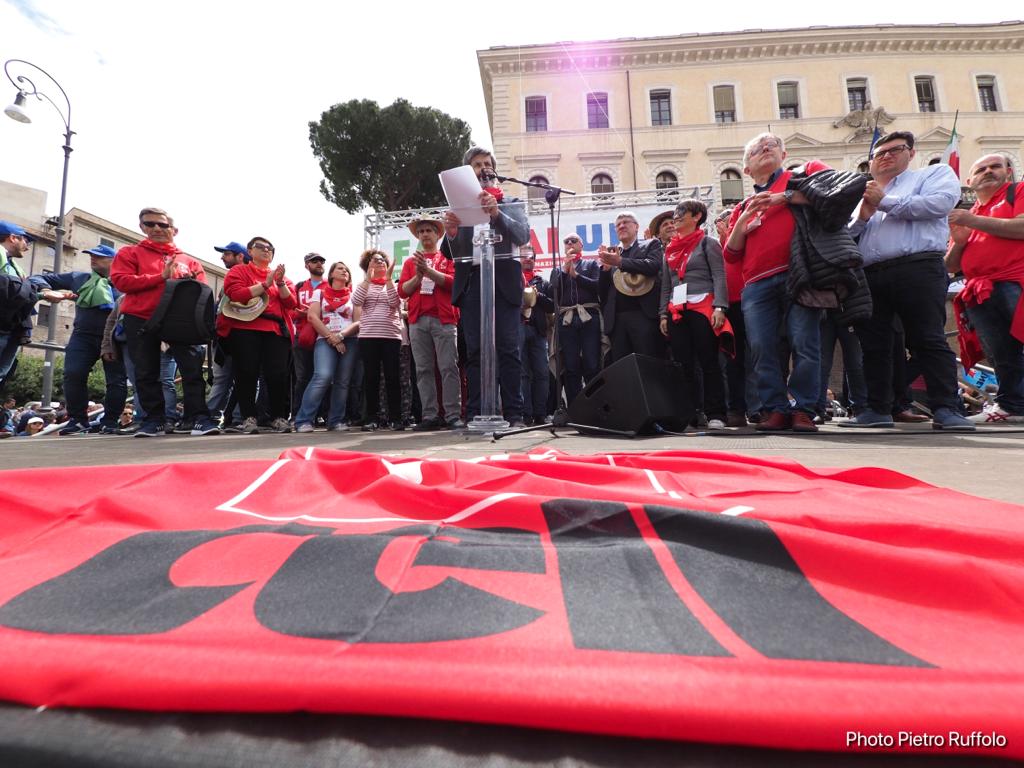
(380, 337)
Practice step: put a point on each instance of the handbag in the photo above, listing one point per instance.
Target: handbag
(307, 336)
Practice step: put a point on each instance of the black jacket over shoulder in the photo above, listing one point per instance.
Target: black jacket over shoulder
(825, 266)
(514, 229)
(643, 257)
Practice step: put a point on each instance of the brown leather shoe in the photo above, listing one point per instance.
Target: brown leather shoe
(774, 422)
(803, 422)
(909, 417)
(735, 419)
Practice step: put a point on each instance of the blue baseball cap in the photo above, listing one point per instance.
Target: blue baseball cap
(102, 250)
(8, 228)
(233, 247)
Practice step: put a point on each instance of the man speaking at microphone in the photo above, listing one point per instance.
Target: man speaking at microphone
(507, 219)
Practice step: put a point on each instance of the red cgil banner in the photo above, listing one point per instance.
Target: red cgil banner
(684, 595)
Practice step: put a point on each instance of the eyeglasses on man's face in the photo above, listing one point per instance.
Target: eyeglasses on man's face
(151, 224)
(263, 247)
(317, 261)
(571, 240)
(878, 154)
(767, 146)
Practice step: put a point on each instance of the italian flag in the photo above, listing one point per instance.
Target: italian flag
(951, 155)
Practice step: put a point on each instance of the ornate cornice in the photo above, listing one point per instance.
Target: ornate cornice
(718, 48)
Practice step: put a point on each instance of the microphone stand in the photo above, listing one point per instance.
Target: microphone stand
(560, 419)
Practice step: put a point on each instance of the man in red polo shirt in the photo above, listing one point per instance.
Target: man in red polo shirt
(760, 230)
(988, 246)
(426, 281)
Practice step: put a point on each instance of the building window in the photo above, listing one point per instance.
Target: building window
(987, 93)
(106, 242)
(668, 185)
(732, 187)
(789, 101)
(725, 104)
(661, 107)
(536, 114)
(857, 93)
(925, 87)
(536, 193)
(597, 110)
(864, 167)
(601, 185)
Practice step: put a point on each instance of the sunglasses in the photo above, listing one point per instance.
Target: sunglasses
(571, 240)
(263, 247)
(316, 261)
(151, 224)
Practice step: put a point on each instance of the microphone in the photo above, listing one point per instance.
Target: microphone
(488, 175)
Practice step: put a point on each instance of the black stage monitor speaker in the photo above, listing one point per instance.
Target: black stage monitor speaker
(634, 393)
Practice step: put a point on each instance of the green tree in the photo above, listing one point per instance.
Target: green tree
(386, 159)
(27, 382)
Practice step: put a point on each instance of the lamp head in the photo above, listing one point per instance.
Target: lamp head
(16, 111)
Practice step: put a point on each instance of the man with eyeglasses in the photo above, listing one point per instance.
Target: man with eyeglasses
(302, 359)
(988, 246)
(140, 272)
(903, 229)
(760, 233)
(574, 289)
(628, 290)
(17, 296)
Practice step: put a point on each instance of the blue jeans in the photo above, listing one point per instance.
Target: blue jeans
(853, 363)
(10, 343)
(329, 370)
(80, 355)
(506, 337)
(581, 352)
(766, 311)
(533, 350)
(991, 320)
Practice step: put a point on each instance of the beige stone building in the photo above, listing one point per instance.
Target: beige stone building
(660, 112)
(27, 207)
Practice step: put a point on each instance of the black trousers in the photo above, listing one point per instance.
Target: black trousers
(695, 347)
(635, 332)
(144, 350)
(265, 354)
(375, 352)
(914, 289)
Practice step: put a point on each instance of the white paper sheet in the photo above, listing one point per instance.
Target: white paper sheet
(462, 190)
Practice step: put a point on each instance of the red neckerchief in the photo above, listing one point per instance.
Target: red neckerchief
(528, 277)
(260, 272)
(334, 299)
(679, 250)
(496, 193)
(165, 248)
(379, 280)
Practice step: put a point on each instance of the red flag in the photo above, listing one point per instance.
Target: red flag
(951, 154)
(684, 595)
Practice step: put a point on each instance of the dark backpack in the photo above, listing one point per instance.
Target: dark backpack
(186, 314)
(17, 297)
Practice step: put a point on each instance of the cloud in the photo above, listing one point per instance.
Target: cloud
(44, 22)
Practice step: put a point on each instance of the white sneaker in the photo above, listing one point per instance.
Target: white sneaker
(996, 415)
(716, 424)
(339, 428)
(304, 428)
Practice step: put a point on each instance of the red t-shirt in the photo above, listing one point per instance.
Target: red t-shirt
(987, 254)
(439, 302)
(766, 251)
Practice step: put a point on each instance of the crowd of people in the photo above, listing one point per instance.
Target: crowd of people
(750, 304)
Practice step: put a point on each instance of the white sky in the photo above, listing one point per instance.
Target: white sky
(202, 107)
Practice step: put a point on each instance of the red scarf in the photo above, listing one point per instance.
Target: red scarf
(679, 250)
(496, 193)
(379, 280)
(528, 277)
(166, 248)
(333, 299)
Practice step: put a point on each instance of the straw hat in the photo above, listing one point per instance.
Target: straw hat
(632, 283)
(244, 311)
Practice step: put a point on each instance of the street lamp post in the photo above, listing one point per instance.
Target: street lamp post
(16, 111)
